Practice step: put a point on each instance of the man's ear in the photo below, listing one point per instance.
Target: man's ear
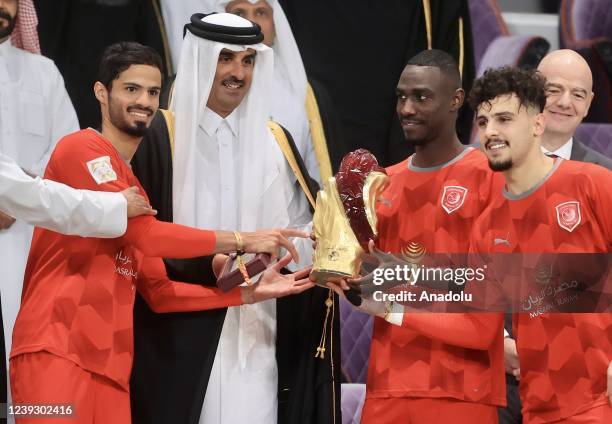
(589, 100)
(539, 126)
(457, 99)
(101, 92)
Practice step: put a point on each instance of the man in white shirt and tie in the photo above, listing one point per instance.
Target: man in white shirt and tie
(569, 92)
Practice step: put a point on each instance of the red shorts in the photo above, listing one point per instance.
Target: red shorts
(48, 384)
(426, 411)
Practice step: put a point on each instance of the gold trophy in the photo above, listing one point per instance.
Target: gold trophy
(345, 217)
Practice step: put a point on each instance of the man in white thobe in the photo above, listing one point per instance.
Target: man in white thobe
(289, 84)
(247, 181)
(226, 171)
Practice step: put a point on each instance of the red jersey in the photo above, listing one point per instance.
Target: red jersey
(563, 357)
(78, 293)
(437, 355)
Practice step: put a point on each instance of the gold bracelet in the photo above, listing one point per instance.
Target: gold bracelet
(239, 243)
(243, 270)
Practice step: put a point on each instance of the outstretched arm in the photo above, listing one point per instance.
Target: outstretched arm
(88, 163)
(60, 208)
(164, 295)
(169, 240)
(468, 330)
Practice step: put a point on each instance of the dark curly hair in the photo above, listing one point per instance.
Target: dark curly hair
(528, 85)
(117, 57)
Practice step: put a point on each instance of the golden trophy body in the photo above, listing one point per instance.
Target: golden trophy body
(345, 217)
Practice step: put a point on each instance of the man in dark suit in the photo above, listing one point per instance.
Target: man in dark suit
(569, 92)
(584, 153)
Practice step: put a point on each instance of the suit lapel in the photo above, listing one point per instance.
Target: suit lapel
(578, 151)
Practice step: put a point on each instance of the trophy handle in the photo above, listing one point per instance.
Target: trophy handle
(375, 183)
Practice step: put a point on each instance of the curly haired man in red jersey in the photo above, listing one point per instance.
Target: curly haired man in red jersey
(547, 206)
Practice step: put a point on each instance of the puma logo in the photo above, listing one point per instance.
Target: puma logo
(498, 240)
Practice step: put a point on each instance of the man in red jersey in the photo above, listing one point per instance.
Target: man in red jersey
(432, 367)
(547, 206)
(569, 92)
(73, 339)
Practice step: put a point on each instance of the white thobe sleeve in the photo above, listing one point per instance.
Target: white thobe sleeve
(58, 207)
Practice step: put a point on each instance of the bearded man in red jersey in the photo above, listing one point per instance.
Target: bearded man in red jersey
(547, 206)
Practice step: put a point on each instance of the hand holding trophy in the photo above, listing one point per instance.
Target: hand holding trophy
(345, 217)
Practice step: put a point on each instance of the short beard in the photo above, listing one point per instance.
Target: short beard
(138, 131)
(116, 118)
(500, 166)
(6, 31)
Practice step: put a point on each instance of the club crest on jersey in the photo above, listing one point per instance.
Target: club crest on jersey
(568, 215)
(453, 198)
(101, 170)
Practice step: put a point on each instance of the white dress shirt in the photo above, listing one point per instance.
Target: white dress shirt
(60, 208)
(564, 151)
